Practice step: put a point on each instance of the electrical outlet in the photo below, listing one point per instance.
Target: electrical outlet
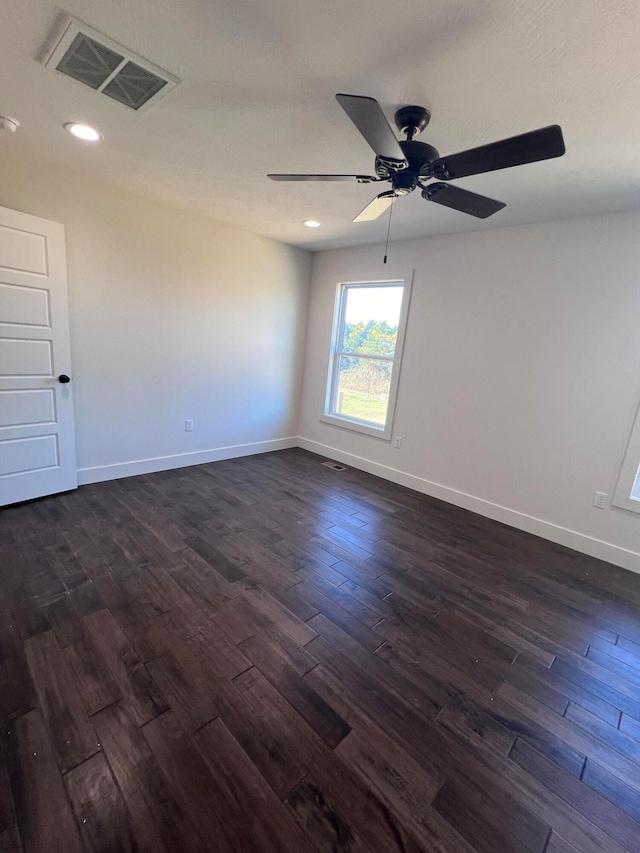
(600, 500)
(188, 426)
(397, 442)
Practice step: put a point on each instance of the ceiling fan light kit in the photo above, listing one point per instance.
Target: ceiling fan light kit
(408, 164)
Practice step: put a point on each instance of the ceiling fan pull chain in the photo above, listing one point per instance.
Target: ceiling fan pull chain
(388, 230)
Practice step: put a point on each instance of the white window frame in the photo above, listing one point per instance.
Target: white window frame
(629, 478)
(330, 417)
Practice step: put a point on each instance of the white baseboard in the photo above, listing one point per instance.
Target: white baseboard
(546, 529)
(180, 460)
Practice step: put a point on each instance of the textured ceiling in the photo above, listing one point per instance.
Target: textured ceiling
(259, 78)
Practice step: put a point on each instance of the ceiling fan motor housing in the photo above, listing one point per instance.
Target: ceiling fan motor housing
(419, 156)
(404, 182)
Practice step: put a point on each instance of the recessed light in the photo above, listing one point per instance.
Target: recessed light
(311, 223)
(83, 131)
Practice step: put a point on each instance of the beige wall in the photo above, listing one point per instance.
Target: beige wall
(173, 316)
(520, 379)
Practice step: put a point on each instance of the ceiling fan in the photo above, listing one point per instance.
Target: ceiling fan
(408, 164)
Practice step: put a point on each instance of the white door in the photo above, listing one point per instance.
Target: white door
(37, 442)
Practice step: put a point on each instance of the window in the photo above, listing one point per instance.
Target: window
(627, 493)
(368, 335)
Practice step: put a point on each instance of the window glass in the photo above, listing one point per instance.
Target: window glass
(369, 326)
(371, 318)
(363, 388)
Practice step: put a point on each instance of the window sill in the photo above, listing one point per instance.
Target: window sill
(630, 504)
(358, 426)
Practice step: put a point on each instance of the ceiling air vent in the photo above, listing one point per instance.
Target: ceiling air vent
(87, 56)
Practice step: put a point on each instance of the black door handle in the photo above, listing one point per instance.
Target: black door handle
(64, 378)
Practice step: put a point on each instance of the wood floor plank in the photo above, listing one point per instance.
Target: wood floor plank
(297, 657)
(322, 820)
(189, 686)
(95, 681)
(349, 623)
(533, 679)
(73, 736)
(128, 753)
(188, 624)
(299, 694)
(601, 681)
(380, 826)
(418, 664)
(242, 797)
(405, 786)
(10, 840)
(415, 733)
(559, 845)
(148, 590)
(617, 664)
(542, 803)
(269, 615)
(605, 732)
(260, 654)
(630, 646)
(528, 718)
(7, 808)
(138, 689)
(580, 693)
(99, 808)
(276, 738)
(389, 709)
(201, 582)
(480, 638)
(45, 818)
(427, 694)
(478, 820)
(612, 788)
(17, 695)
(135, 624)
(217, 560)
(624, 829)
(625, 654)
(157, 825)
(576, 739)
(191, 782)
(486, 723)
(630, 726)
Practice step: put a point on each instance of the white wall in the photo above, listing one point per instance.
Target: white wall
(520, 378)
(173, 316)
(521, 372)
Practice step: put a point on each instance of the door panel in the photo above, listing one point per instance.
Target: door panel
(27, 306)
(37, 441)
(25, 358)
(27, 408)
(28, 454)
(22, 250)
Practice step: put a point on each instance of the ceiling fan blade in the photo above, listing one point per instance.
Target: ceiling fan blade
(542, 144)
(361, 179)
(367, 115)
(462, 200)
(376, 207)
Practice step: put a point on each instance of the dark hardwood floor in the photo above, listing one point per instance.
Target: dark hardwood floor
(267, 655)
